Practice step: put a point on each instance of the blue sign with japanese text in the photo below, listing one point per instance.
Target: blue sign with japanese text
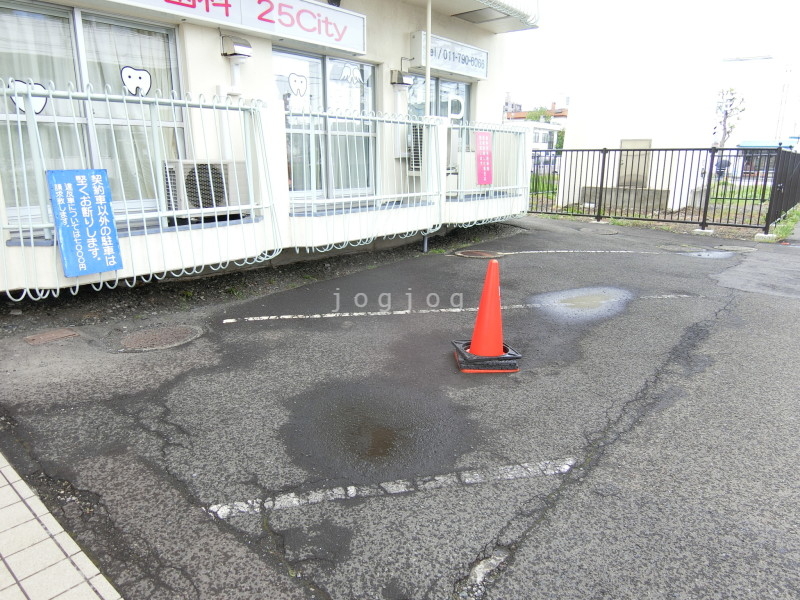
(84, 221)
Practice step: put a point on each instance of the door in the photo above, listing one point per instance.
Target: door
(634, 163)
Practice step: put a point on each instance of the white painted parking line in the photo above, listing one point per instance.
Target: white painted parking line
(422, 311)
(392, 488)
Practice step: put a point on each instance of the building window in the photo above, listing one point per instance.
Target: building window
(448, 98)
(331, 150)
(73, 50)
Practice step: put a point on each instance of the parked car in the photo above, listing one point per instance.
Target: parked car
(544, 161)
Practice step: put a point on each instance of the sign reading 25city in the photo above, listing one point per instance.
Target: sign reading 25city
(300, 20)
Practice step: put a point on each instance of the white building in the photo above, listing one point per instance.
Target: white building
(220, 132)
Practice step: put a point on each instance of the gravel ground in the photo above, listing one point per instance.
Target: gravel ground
(152, 304)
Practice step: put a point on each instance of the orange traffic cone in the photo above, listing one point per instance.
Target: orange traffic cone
(486, 352)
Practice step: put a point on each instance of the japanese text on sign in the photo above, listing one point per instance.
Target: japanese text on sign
(87, 234)
(300, 20)
(449, 55)
(483, 157)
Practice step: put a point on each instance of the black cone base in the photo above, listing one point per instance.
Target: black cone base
(472, 363)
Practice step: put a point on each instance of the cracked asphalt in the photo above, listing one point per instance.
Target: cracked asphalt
(646, 449)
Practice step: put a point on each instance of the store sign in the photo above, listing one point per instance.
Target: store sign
(450, 56)
(87, 235)
(300, 20)
(483, 157)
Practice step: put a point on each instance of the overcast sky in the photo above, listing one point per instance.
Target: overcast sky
(585, 45)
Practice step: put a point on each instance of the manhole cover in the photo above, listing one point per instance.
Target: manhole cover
(479, 254)
(709, 254)
(736, 248)
(681, 248)
(50, 336)
(600, 230)
(159, 338)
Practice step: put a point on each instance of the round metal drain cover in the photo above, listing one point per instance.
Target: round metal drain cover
(599, 230)
(478, 254)
(681, 248)
(736, 248)
(159, 338)
(709, 254)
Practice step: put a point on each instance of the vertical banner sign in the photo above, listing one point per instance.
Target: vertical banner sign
(87, 235)
(483, 157)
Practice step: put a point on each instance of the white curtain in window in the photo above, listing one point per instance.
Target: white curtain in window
(112, 47)
(37, 47)
(131, 61)
(40, 46)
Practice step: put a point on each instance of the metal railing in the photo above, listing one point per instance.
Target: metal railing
(204, 184)
(739, 187)
(476, 194)
(181, 171)
(354, 177)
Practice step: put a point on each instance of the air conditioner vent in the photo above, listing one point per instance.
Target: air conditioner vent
(206, 186)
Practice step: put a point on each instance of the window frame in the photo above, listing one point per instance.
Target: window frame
(436, 101)
(80, 118)
(323, 133)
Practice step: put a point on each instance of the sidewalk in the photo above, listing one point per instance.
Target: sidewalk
(38, 559)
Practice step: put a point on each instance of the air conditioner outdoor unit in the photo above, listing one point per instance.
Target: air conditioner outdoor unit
(197, 189)
(415, 158)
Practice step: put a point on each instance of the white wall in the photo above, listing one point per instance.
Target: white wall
(389, 27)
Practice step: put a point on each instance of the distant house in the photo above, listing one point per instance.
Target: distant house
(543, 133)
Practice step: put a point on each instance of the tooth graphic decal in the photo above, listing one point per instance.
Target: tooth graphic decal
(298, 84)
(136, 80)
(20, 90)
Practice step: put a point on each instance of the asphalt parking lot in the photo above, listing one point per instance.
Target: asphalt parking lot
(321, 443)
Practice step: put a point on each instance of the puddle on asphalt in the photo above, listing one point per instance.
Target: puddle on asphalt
(381, 442)
(372, 441)
(366, 432)
(589, 301)
(583, 304)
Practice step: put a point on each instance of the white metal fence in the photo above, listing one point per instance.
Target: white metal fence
(202, 184)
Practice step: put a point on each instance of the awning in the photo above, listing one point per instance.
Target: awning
(493, 15)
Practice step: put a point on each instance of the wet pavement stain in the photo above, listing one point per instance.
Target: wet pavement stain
(372, 440)
(582, 304)
(381, 442)
(369, 432)
(589, 301)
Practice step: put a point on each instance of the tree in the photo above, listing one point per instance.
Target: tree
(537, 113)
(729, 108)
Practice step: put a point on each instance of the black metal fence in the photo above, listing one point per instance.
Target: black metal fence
(740, 187)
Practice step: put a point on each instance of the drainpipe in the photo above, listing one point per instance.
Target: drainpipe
(427, 89)
(428, 62)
